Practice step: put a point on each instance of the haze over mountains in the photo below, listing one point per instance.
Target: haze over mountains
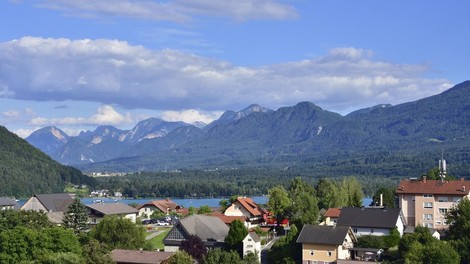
(376, 140)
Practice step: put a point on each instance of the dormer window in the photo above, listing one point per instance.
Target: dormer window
(427, 195)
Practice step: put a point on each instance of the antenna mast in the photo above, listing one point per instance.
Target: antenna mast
(442, 167)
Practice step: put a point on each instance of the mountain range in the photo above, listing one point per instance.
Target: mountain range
(401, 140)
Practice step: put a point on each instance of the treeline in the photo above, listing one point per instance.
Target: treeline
(220, 183)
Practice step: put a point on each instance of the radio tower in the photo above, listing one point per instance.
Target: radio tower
(442, 167)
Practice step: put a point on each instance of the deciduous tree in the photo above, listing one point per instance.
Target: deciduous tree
(119, 233)
(195, 247)
(304, 202)
(236, 234)
(279, 203)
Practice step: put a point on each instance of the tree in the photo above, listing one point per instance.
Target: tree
(278, 203)
(76, 217)
(195, 247)
(205, 209)
(458, 218)
(421, 235)
(218, 256)
(119, 233)
(388, 198)
(180, 257)
(304, 202)
(328, 193)
(352, 191)
(95, 252)
(31, 219)
(434, 252)
(236, 234)
(251, 258)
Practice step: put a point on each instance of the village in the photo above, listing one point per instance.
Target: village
(333, 238)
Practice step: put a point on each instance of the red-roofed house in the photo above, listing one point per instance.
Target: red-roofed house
(425, 202)
(331, 216)
(165, 206)
(246, 207)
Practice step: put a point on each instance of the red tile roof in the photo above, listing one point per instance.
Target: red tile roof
(332, 212)
(460, 187)
(228, 219)
(250, 206)
(162, 205)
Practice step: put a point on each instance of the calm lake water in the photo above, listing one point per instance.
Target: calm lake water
(211, 202)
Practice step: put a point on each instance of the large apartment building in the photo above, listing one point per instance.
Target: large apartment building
(425, 202)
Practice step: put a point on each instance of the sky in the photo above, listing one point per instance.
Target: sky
(80, 64)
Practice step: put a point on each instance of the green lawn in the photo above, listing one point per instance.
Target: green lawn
(157, 242)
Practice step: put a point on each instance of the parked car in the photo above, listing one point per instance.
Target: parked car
(162, 223)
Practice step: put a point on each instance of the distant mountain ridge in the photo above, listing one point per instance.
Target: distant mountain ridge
(375, 140)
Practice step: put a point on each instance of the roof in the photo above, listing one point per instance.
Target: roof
(368, 217)
(205, 227)
(113, 208)
(55, 202)
(138, 256)
(228, 219)
(460, 187)
(332, 212)
(250, 206)
(5, 201)
(55, 217)
(162, 205)
(325, 235)
(254, 236)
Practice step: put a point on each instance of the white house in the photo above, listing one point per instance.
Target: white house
(252, 243)
(96, 212)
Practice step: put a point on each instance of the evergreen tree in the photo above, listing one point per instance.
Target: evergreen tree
(236, 234)
(76, 216)
(388, 198)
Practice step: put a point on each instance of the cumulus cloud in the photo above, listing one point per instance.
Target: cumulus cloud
(106, 115)
(191, 116)
(11, 114)
(179, 11)
(115, 72)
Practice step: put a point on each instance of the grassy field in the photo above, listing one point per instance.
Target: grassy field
(157, 242)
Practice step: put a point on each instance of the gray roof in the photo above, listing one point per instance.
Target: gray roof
(55, 202)
(325, 235)
(113, 208)
(254, 236)
(368, 217)
(205, 227)
(139, 256)
(5, 201)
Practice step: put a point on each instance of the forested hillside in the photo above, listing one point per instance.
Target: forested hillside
(24, 170)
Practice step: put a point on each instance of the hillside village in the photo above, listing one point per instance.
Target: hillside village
(428, 215)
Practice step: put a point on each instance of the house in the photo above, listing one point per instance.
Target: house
(426, 202)
(432, 231)
(252, 243)
(55, 202)
(331, 216)
(96, 212)
(210, 229)
(7, 203)
(166, 206)
(244, 206)
(124, 256)
(371, 220)
(54, 205)
(229, 219)
(325, 244)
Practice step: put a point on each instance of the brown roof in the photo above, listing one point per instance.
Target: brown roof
(228, 219)
(139, 257)
(433, 187)
(113, 208)
(162, 205)
(332, 212)
(250, 206)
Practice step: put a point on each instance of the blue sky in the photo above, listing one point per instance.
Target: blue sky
(80, 64)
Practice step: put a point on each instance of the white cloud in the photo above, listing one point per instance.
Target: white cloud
(11, 114)
(106, 115)
(179, 11)
(191, 116)
(114, 72)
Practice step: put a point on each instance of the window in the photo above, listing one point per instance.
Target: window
(456, 199)
(427, 216)
(371, 230)
(312, 253)
(329, 253)
(438, 222)
(442, 199)
(428, 225)
(443, 210)
(426, 195)
(355, 230)
(427, 205)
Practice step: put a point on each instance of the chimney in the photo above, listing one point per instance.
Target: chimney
(462, 179)
(381, 199)
(463, 188)
(424, 178)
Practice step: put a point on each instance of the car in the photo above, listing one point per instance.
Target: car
(161, 223)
